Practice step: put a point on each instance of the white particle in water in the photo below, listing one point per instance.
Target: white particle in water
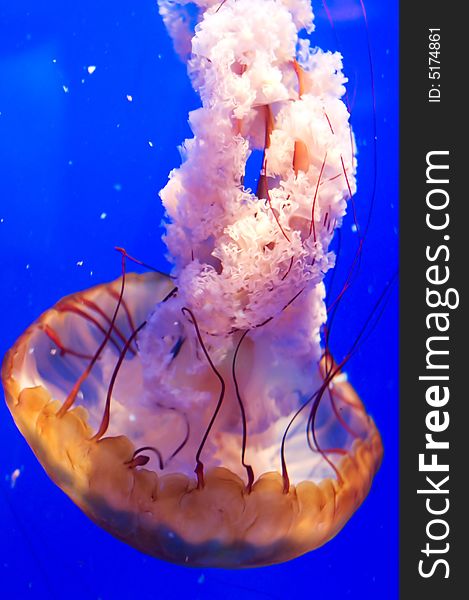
(65, 88)
(103, 215)
(91, 69)
(14, 476)
(129, 98)
(79, 263)
(150, 143)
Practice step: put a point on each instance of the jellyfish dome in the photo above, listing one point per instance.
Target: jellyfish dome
(198, 416)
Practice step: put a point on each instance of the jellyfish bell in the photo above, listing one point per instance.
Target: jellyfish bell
(161, 509)
(198, 417)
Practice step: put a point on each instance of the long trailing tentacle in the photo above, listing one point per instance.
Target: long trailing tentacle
(199, 469)
(249, 469)
(70, 400)
(107, 409)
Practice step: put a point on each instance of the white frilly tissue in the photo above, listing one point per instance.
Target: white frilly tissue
(251, 260)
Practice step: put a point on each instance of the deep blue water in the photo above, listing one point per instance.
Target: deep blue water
(78, 177)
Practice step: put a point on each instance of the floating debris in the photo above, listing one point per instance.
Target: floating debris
(14, 477)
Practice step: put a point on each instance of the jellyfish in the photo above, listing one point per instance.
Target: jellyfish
(199, 416)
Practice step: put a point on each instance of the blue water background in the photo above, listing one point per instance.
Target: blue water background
(80, 169)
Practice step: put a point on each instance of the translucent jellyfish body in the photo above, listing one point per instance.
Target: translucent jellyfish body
(198, 417)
